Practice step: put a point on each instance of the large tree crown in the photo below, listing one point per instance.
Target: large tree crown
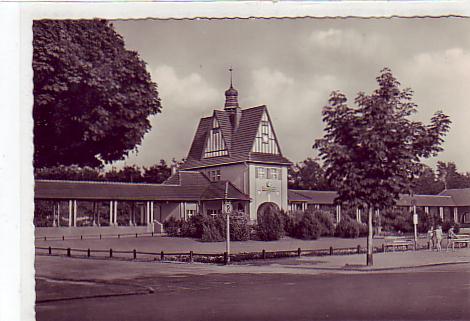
(372, 152)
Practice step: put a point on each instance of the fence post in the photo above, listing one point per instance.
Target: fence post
(50, 250)
(88, 253)
(358, 248)
(81, 237)
(225, 258)
(383, 248)
(190, 256)
(63, 238)
(100, 236)
(119, 236)
(331, 250)
(110, 252)
(68, 251)
(135, 235)
(162, 256)
(299, 251)
(152, 234)
(263, 254)
(135, 254)
(45, 238)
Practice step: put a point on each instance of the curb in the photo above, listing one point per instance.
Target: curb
(372, 269)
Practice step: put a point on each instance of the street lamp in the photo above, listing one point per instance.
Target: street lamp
(415, 220)
(227, 209)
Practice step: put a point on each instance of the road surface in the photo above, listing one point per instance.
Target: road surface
(434, 293)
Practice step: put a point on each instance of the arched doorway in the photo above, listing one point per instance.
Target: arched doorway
(267, 205)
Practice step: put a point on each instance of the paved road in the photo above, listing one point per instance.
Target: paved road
(437, 293)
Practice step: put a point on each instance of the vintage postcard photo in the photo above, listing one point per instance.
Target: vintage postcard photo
(309, 168)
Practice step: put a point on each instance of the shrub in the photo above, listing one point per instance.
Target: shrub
(308, 227)
(326, 222)
(456, 228)
(348, 228)
(398, 220)
(363, 230)
(213, 229)
(239, 228)
(289, 221)
(172, 226)
(270, 224)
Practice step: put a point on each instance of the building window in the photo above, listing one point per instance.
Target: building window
(213, 212)
(260, 172)
(190, 213)
(214, 175)
(273, 173)
(265, 141)
(215, 144)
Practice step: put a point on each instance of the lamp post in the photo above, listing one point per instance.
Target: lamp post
(415, 220)
(227, 209)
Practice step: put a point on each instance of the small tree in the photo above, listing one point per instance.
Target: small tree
(371, 153)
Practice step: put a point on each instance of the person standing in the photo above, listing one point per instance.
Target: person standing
(450, 238)
(438, 237)
(431, 238)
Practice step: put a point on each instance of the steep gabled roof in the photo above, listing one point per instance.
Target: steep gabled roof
(461, 196)
(239, 141)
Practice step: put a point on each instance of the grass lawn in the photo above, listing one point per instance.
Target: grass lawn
(178, 244)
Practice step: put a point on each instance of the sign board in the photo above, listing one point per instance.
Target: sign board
(415, 219)
(228, 208)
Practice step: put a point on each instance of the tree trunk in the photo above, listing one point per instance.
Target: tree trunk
(370, 260)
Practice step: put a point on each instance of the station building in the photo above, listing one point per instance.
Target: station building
(235, 157)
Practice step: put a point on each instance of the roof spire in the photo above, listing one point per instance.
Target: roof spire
(231, 94)
(231, 69)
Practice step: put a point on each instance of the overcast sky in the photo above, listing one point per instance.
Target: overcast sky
(292, 66)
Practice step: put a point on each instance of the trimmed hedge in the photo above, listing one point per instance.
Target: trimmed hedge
(349, 228)
(308, 227)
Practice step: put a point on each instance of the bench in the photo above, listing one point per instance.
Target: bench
(397, 242)
(461, 239)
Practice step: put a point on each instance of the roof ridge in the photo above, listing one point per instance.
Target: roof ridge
(101, 182)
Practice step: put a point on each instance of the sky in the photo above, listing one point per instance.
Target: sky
(292, 66)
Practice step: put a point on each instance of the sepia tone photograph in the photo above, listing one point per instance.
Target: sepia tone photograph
(251, 169)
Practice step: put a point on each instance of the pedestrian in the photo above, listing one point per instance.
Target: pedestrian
(438, 237)
(450, 239)
(431, 238)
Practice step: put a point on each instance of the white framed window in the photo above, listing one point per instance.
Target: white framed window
(213, 212)
(260, 172)
(190, 213)
(215, 144)
(214, 175)
(273, 173)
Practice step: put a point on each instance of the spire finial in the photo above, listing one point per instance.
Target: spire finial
(231, 69)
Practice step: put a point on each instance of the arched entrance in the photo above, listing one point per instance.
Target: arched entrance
(267, 205)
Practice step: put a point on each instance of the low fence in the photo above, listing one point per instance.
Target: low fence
(96, 236)
(190, 256)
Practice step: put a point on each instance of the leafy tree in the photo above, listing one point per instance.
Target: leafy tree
(73, 172)
(447, 173)
(92, 97)
(131, 174)
(426, 182)
(308, 174)
(371, 153)
(157, 173)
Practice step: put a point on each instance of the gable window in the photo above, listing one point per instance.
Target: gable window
(215, 144)
(265, 141)
(214, 175)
